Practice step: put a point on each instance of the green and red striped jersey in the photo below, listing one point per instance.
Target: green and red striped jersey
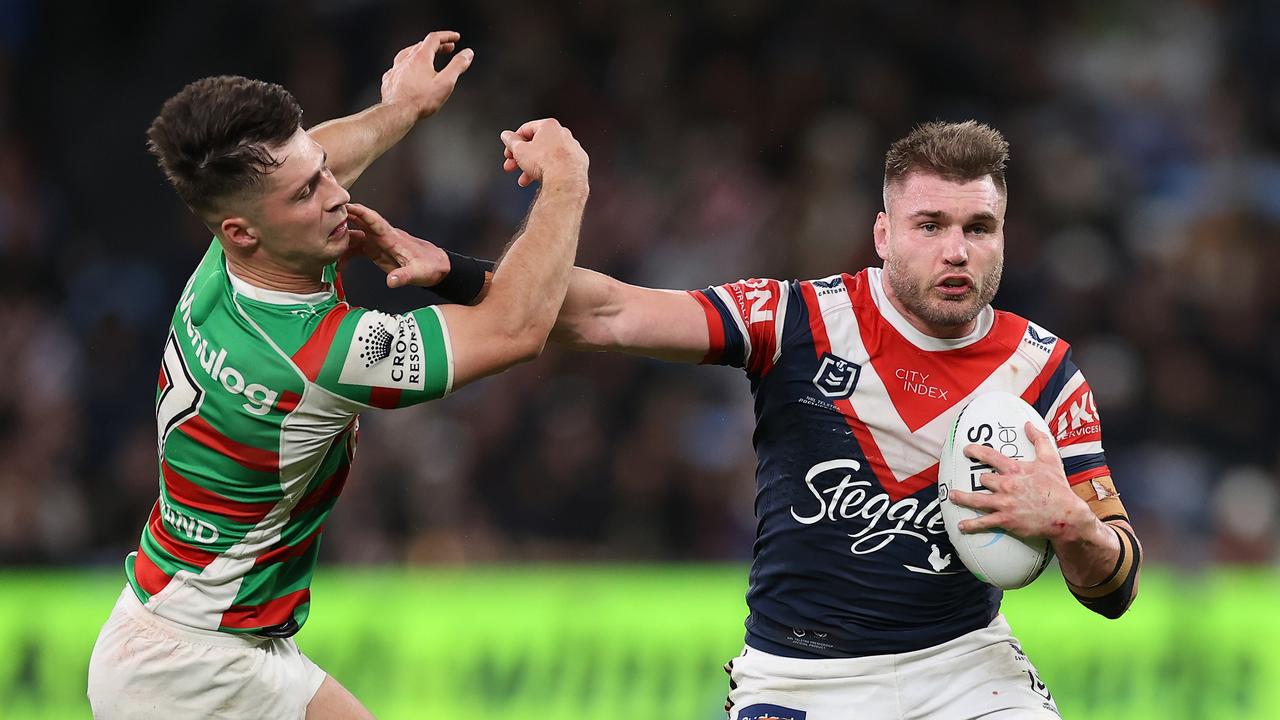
(257, 412)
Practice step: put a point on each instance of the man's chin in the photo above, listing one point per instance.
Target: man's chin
(335, 248)
(954, 313)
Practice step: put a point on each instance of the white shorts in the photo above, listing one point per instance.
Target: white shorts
(145, 666)
(982, 674)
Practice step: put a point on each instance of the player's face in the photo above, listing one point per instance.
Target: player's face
(301, 216)
(942, 243)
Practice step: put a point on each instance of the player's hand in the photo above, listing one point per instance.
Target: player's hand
(413, 78)
(543, 150)
(1029, 499)
(407, 260)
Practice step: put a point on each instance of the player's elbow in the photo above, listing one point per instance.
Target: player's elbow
(518, 333)
(1115, 603)
(1113, 610)
(530, 349)
(590, 336)
(526, 343)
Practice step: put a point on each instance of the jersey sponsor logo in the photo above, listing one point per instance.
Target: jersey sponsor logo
(759, 298)
(385, 351)
(192, 527)
(213, 361)
(755, 300)
(836, 377)
(376, 345)
(829, 287)
(855, 498)
(765, 711)
(917, 383)
(1077, 418)
(1044, 342)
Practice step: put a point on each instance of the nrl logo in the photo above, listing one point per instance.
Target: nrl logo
(836, 376)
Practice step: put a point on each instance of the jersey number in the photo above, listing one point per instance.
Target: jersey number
(180, 398)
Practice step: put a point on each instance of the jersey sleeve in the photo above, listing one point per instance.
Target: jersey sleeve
(745, 321)
(1067, 404)
(378, 359)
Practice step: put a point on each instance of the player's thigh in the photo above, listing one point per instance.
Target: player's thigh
(144, 666)
(768, 686)
(993, 680)
(140, 671)
(334, 702)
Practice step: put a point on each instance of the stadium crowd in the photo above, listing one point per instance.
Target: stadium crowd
(728, 140)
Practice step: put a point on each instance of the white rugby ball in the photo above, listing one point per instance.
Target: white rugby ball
(996, 557)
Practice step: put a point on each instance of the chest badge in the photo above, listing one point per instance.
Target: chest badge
(836, 376)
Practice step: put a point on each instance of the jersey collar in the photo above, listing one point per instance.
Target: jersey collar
(986, 319)
(276, 297)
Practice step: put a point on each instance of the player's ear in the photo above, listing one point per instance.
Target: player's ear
(881, 232)
(239, 232)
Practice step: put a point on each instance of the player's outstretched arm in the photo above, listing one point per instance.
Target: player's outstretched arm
(601, 313)
(412, 90)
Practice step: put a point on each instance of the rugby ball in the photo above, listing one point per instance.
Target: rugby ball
(996, 557)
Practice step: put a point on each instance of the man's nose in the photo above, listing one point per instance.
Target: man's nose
(338, 195)
(955, 250)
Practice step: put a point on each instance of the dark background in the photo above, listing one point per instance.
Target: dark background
(727, 140)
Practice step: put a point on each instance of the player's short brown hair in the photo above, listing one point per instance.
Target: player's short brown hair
(958, 151)
(213, 139)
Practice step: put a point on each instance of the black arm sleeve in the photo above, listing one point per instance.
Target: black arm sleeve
(465, 280)
(1112, 597)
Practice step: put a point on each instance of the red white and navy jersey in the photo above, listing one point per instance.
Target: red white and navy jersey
(852, 407)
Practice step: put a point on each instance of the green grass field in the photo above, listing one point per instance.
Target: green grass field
(623, 643)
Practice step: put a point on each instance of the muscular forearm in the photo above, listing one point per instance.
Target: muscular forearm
(590, 303)
(529, 284)
(1088, 554)
(355, 141)
(587, 316)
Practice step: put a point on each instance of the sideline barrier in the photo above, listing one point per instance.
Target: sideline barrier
(624, 643)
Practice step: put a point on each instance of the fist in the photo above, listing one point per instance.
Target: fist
(542, 150)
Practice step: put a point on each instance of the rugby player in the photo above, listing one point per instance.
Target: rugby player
(859, 605)
(267, 367)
